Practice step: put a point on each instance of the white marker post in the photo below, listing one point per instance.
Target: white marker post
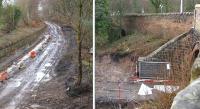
(181, 7)
(197, 17)
(168, 68)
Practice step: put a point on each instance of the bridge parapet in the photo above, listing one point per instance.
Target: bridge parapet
(158, 24)
(169, 58)
(197, 17)
(159, 14)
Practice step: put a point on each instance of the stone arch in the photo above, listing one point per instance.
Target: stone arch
(195, 53)
(123, 32)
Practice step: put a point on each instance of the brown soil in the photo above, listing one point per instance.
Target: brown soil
(52, 95)
(118, 60)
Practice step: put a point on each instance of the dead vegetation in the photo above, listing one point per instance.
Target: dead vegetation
(18, 39)
(128, 49)
(124, 53)
(162, 26)
(164, 100)
(17, 35)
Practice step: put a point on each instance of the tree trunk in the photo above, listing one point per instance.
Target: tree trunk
(79, 45)
(120, 35)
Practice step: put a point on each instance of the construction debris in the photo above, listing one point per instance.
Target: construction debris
(22, 63)
(166, 88)
(146, 90)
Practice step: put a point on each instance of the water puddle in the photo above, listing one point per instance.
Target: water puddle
(10, 107)
(14, 84)
(39, 76)
(35, 106)
(48, 65)
(47, 78)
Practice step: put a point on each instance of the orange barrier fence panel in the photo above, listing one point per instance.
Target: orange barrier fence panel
(33, 54)
(3, 76)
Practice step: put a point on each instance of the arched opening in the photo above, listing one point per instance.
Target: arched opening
(195, 55)
(123, 32)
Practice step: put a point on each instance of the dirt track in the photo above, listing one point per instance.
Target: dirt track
(38, 70)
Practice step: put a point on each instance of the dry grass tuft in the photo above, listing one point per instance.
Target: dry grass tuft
(165, 100)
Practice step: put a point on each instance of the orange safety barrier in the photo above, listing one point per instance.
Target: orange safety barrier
(150, 81)
(3, 76)
(32, 54)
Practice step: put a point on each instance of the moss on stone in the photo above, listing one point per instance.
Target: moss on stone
(195, 74)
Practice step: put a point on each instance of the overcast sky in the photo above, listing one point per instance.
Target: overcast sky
(5, 2)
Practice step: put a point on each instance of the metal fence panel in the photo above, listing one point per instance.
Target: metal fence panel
(154, 70)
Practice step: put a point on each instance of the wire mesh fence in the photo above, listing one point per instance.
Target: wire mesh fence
(117, 92)
(154, 70)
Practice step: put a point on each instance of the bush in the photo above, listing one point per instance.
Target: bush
(115, 34)
(103, 21)
(12, 16)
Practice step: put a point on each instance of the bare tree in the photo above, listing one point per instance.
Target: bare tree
(78, 13)
(29, 10)
(24, 7)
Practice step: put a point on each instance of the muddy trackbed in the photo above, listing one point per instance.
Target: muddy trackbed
(35, 71)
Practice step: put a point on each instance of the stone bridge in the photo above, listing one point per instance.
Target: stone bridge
(174, 57)
(189, 97)
(177, 59)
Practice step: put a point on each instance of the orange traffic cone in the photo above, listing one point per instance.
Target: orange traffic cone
(32, 54)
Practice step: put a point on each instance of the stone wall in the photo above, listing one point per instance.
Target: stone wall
(177, 52)
(25, 40)
(166, 25)
(188, 98)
